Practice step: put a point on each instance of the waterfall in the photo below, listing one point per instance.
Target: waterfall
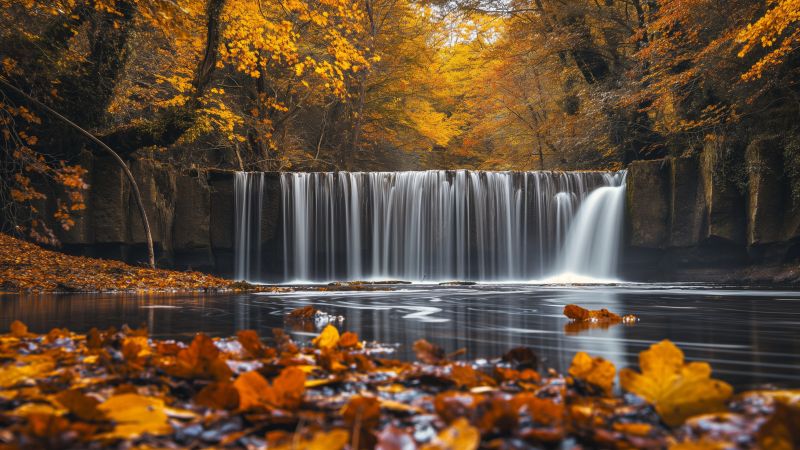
(433, 225)
(249, 195)
(591, 247)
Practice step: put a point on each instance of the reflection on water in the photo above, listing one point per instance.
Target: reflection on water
(750, 337)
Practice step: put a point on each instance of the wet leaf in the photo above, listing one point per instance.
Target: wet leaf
(201, 360)
(362, 410)
(782, 430)
(349, 340)
(25, 368)
(460, 435)
(252, 343)
(81, 405)
(219, 395)
(19, 329)
(677, 390)
(332, 440)
(393, 438)
(286, 390)
(578, 313)
(134, 415)
(328, 339)
(428, 353)
(466, 376)
(594, 371)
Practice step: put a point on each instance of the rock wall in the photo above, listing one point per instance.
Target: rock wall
(689, 219)
(191, 216)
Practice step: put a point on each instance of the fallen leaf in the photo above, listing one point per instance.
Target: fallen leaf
(134, 415)
(676, 389)
(218, 395)
(362, 410)
(332, 440)
(594, 371)
(19, 329)
(349, 340)
(460, 435)
(286, 390)
(202, 359)
(81, 405)
(428, 353)
(578, 313)
(252, 343)
(466, 376)
(782, 430)
(328, 339)
(25, 368)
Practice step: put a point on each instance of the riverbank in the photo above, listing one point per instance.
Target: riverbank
(26, 267)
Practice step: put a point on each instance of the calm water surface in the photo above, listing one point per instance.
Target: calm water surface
(751, 337)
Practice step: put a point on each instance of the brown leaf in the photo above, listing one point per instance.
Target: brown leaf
(364, 410)
(428, 353)
(348, 340)
(81, 405)
(782, 430)
(578, 313)
(285, 392)
(218, 395)
(466, 376)
(594, 371)
(201, 360)
(19, 329)
(252, 343)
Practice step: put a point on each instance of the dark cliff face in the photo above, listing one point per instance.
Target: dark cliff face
(688, 219)
(685, 221)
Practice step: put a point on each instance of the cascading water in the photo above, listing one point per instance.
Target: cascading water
(249, 195)
(433, 225)
(592, 245)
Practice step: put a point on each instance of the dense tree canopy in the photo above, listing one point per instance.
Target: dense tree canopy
(341, 84)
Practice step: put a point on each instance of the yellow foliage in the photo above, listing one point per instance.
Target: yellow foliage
(328, 339)
(459, 436)
(595, 371)
(678, 390)
(135, 415)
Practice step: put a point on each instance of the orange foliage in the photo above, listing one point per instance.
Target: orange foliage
(293, 401)
(28, 267)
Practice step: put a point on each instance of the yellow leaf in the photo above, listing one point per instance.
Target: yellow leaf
(134, 415)
(677, 390)
(23, 368)
(459, 436)
(328, 339)
(595, 371)
(333, 440)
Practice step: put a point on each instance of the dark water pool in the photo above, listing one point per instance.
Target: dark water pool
(751, 337)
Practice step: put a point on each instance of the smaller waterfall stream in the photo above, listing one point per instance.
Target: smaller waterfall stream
(434, 225)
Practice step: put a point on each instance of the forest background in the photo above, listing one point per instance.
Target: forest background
(388, 85)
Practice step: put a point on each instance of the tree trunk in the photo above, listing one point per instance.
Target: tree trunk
(134, 186)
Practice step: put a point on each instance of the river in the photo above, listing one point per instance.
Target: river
(750, 336)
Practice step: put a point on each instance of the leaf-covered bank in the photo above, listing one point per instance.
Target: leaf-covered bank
(28, 267)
